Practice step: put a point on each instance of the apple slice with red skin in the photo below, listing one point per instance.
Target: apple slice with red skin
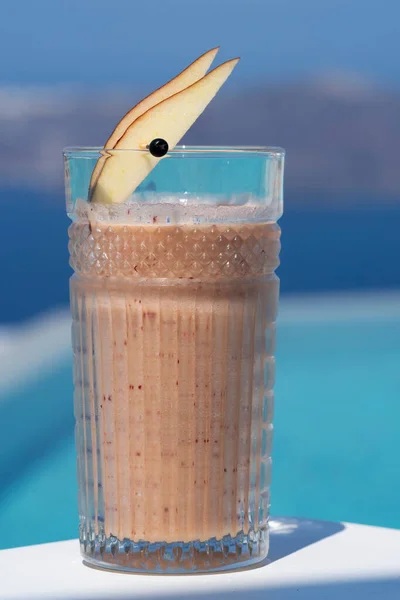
(129, 164)
(195, 71)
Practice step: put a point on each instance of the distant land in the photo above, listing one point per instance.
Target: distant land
(340, 229)
(341, 133)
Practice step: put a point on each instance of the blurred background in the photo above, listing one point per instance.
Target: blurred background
(318, 77)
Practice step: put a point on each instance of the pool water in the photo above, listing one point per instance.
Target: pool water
(336, 422)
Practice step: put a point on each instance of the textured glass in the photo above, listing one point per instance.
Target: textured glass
(173, 337)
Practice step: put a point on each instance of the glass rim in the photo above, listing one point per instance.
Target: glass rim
(180, 151)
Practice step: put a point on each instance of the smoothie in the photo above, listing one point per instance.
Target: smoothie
(173, 340)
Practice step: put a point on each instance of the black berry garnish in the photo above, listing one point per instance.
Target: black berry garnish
(158, 147)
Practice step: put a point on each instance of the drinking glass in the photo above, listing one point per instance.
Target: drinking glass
(174, 299)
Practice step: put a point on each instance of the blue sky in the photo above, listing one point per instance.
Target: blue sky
(145, 41)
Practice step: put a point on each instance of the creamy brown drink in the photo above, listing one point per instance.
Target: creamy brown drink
(171, 353)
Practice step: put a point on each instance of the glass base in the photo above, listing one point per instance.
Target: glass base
(176, 557)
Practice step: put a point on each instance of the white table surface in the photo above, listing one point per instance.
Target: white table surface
(309, 560)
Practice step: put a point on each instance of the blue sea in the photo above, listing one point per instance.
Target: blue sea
(333, 246)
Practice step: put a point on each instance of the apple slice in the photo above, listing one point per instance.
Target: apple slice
(195, 71)
(124, 170)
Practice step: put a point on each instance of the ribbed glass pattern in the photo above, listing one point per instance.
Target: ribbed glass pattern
(174, 375)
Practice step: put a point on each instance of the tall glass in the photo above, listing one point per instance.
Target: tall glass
(174, 300)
